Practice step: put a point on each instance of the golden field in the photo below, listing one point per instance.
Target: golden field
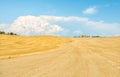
(16, 45)
(52, 56)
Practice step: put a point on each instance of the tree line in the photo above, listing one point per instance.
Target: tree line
(85, 36)
(9, 33)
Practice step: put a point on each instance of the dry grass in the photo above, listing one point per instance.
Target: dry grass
(83, 57)
(16, 45)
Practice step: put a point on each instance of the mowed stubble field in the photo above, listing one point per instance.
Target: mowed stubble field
(52, 56)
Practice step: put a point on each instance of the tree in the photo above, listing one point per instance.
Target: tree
(11, 33)
(84, 36)
(2, 32)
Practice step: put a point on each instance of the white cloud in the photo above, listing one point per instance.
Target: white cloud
(3, 27)
(31, 25)
(90, 10)
(59, 25)
(77, 32)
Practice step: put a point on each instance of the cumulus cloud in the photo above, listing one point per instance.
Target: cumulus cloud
(3, 27)
(90, 10)
(78, 32)
(60, 25)
(31, 25)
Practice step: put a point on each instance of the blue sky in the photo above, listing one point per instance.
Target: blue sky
(104, 11)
